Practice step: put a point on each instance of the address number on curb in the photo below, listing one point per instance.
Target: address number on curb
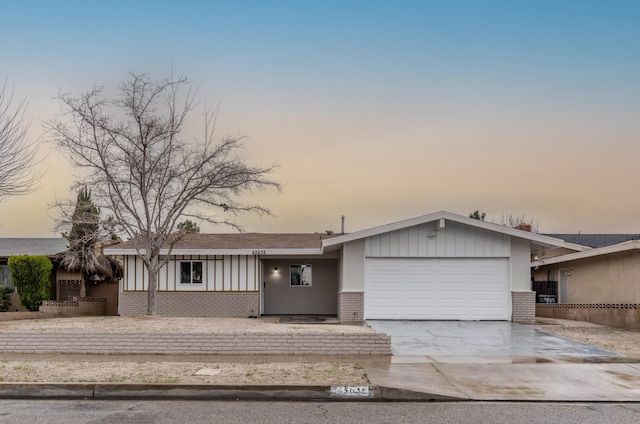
(350, 391)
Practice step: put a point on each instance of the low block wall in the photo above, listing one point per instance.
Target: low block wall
(616, 315)
(80, 307)
(55, 309)
(193, 344)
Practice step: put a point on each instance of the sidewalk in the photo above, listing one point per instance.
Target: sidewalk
(591, 379)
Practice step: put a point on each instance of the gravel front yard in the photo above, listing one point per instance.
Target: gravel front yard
(626, 342)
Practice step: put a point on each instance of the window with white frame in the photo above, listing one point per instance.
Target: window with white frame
(191, 272)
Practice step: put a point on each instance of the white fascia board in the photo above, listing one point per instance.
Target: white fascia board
(616, 248)
(538, 238)
(212, 252)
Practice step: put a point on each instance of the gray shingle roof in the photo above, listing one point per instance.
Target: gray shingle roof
(596, 240)
(32, 246)
(244, 241)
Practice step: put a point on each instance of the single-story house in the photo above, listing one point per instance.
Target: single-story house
(440, 266)
(605, 271)
(49, 247)
(65, 284)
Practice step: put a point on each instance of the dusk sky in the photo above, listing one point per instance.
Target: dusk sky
(376, 110)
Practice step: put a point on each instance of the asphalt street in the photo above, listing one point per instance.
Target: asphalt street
(193, 412)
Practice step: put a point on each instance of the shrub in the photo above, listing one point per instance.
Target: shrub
(30, 276)
(5, 298)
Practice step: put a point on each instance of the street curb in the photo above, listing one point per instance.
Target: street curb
(122, 391)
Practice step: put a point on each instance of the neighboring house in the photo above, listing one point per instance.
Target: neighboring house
(49, 247)
(65, 285)
(440, 266)
(606, 271)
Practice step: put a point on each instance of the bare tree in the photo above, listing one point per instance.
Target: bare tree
(17, 156)
(132, 151)
(510, 220)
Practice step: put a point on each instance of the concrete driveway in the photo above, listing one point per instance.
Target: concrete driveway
(478, 338)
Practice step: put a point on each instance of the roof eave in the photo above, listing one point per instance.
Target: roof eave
(615, 248)
(213, 252)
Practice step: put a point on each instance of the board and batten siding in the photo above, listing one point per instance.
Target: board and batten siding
(220, 273)
(455, 240)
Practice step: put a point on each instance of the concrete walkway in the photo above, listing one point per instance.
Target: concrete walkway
(511, 378)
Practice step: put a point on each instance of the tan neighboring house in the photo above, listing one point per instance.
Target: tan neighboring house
(607, 270)
(600, 283)
(439, 266)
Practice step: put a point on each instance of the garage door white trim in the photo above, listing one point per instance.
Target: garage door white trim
(437, 288)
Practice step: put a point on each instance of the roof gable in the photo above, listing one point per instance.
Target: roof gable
(538, 239)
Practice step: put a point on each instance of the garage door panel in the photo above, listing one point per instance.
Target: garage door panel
(437, 288)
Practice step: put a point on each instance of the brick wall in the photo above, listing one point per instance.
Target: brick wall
(192, 344)
(523, 305)
(76, 308)
(350, 306)
(208, 304)
(613, 314)
(193, 304)
(133, 303)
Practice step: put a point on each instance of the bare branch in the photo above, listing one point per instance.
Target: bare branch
(144, 174)
(17, 156)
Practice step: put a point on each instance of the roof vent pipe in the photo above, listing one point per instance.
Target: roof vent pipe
(342, 225)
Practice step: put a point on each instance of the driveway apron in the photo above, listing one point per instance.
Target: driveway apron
(478, 338)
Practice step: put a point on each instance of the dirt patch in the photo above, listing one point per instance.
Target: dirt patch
(620, 340)
(182, 372)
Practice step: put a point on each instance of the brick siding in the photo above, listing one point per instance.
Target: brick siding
(193, 304)
(191, 344)
(132, 303)
(523, 307)
(351, 306)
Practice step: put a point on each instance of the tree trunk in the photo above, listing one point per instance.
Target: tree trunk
(153, 287)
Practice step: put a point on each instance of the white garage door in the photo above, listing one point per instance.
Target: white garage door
(436, 289)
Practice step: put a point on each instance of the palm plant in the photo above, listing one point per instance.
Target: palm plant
(84, 238)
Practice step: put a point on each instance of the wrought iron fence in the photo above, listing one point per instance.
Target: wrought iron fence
(546, 291)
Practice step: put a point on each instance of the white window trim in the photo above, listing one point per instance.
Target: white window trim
(191, 263)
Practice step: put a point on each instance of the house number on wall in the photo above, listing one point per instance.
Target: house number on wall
(259, 252)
